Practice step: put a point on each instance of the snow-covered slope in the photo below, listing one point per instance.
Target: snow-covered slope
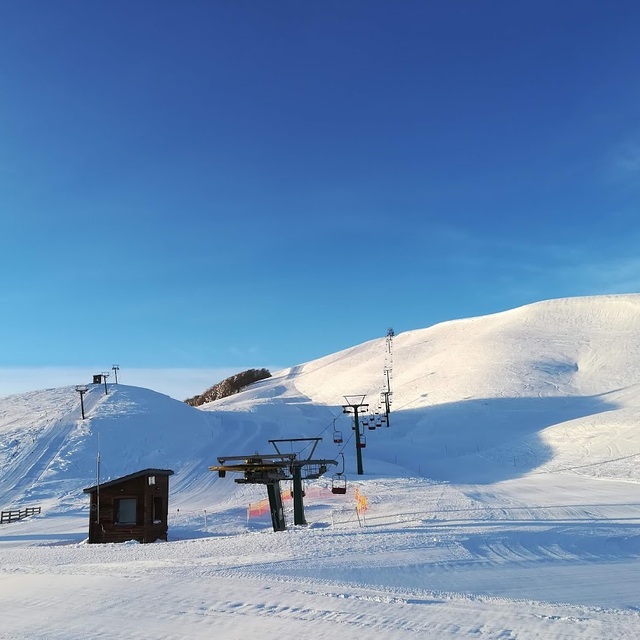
(547, 386)
(503, 495)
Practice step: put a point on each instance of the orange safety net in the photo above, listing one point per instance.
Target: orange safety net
(362, 504)
(257, 509)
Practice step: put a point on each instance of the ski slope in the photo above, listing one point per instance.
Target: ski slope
(503, 497)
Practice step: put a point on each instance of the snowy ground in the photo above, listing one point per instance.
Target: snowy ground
(503, 498)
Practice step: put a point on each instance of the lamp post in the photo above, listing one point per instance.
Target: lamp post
(82, 389)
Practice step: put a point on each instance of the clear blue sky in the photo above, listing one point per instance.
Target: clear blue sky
(222, 183)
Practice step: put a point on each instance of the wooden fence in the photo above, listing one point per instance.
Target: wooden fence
(13, 515)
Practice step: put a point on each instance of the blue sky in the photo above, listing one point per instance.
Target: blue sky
(223, 184)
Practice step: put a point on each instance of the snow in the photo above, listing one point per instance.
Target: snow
(503, 497)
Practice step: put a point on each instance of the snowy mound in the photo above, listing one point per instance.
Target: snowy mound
(549, 386)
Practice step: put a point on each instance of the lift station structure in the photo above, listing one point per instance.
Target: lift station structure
(270, 469)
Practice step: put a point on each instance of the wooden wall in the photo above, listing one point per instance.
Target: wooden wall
(151, 524)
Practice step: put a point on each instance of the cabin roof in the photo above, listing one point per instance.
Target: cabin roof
(131, 476)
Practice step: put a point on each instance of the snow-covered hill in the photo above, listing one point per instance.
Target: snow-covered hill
(547, 386)
(542, 387)
(512, 456)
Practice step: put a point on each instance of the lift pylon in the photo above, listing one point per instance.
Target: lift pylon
(303, 469)
(270, 470)
(354, 405)
(257, 468)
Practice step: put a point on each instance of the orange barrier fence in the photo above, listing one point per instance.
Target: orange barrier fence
(362, 504)
(257, 509)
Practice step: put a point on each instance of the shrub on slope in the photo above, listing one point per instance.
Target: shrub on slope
(229, 386)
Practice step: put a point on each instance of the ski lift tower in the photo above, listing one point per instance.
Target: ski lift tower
(82, 389)
(257, 468)
(388, 369)
(303, 469)
(105, 375)
(354, 405)
(269, 469)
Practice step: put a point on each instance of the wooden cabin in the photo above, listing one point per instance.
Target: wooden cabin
(134, 507)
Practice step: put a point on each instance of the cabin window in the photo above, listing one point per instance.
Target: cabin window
(158, 514)
(126, 511)
(152, 480)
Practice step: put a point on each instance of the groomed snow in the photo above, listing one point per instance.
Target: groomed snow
(503, 498)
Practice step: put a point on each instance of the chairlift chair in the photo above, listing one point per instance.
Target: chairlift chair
(337, 437)
(363, 442)
(338, 484)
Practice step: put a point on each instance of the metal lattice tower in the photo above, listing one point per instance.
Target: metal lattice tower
(386, 393)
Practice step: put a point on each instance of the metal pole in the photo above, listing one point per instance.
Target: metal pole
(355, 405)
(275, 505)
(98, 489)
(298, 502)
(358, 447)
(81, 389)
(386, 394)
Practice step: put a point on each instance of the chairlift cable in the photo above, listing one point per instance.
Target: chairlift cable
(345, 444)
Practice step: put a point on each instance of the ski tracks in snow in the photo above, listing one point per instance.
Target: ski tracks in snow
(32, 457)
